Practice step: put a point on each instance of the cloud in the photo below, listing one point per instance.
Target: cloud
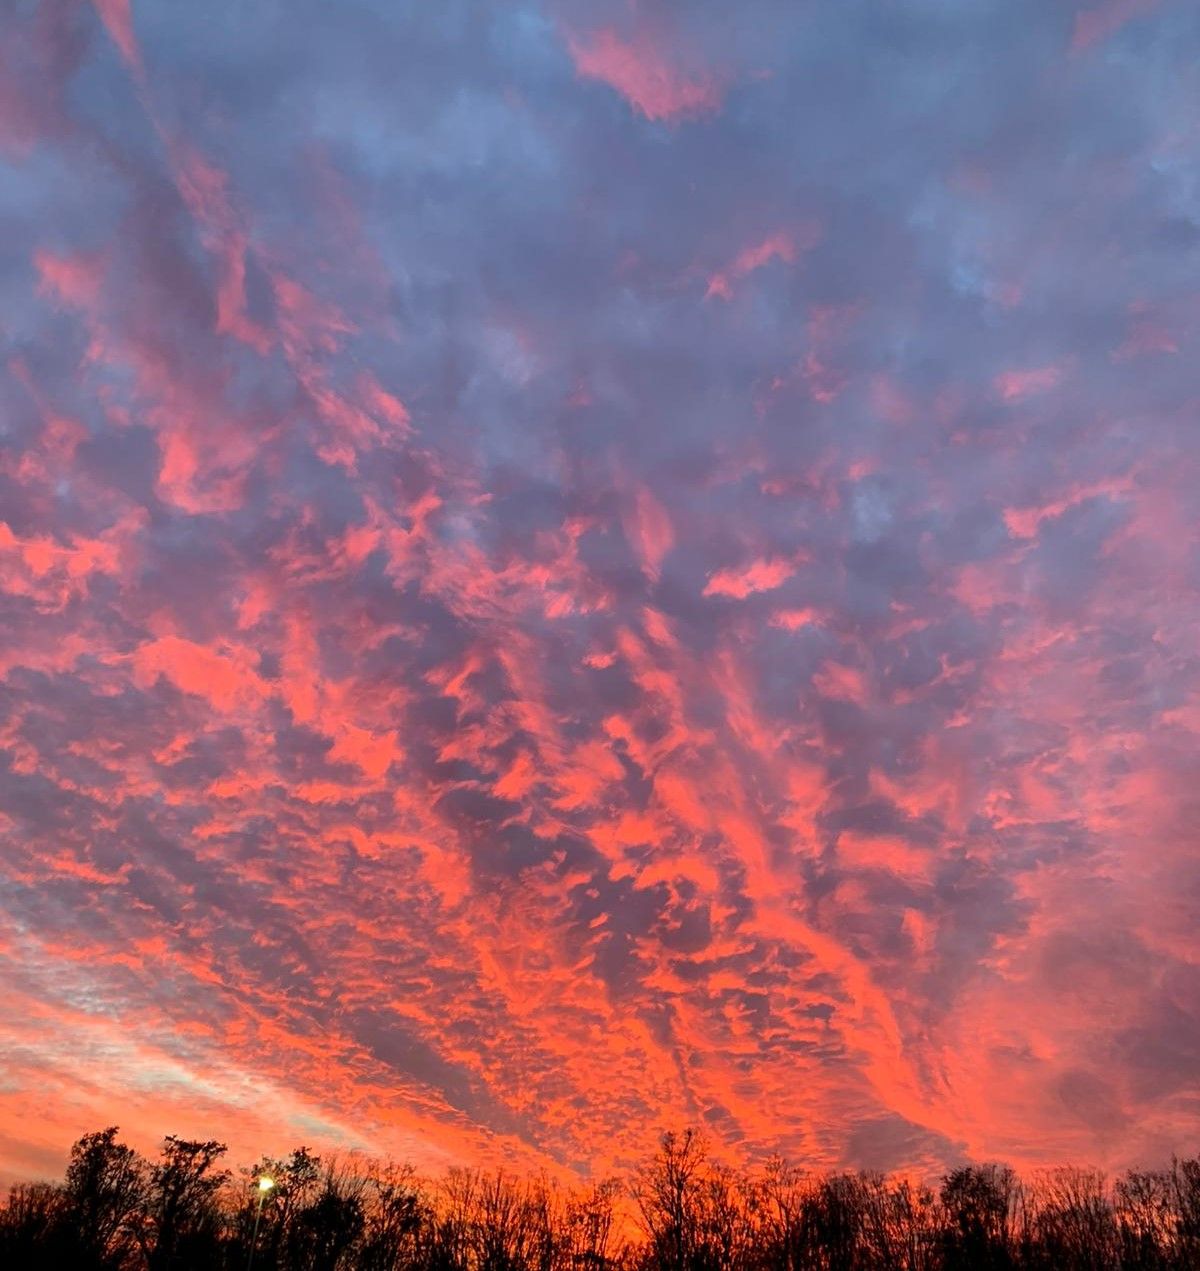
(117, 16)
(642, 72)
(1014, 385)
(1096, 23)
(782, 245)
(738, 582)
(523, 705)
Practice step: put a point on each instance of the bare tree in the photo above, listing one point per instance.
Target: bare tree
(116, 1212)
(1185, 1200)
(589, 1243)
(32, 1225)
(182, 1223)
(667, 1195)
(1073, 1226)
(295, 1181)
(982, 1207)
(1145, 1219)
(399, 1220)
(102, 1202)
(326, 1231)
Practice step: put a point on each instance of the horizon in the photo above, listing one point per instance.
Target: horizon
(678, 1210)
(576, 566)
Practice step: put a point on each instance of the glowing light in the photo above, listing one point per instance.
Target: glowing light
(265, 1184)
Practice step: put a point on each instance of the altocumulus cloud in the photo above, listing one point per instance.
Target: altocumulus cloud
(572, 567)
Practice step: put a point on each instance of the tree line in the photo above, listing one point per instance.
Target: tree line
(683, 1210)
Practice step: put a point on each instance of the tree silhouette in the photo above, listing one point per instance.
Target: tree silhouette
(32, 1228)
(329, 1227)
(982, 1204)
(399, 1219)
(114, 1211)
(667, 1195)
(102, 1202)
(182, 1220)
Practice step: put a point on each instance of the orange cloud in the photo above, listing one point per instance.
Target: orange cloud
(224, 676)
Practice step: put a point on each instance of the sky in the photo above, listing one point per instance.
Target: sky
(576, 567)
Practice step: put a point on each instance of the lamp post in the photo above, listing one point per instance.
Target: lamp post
(265, 1183)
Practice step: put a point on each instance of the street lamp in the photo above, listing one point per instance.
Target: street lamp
(265, 1183)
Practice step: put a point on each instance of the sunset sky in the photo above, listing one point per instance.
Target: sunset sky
(569, 567)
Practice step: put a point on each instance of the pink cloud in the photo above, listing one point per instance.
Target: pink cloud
(1099, 22)
(76, 280)
(1147, 334)
(232, 318)
(51, 574)
(296, 605)
(649, 528)
(1024, 522)
(886, 853)
(842, 683)
(739, 582)
(640, 71)
(117, 17)
(784, 245)
(1012, 386)
(224, 676)
(794, 619)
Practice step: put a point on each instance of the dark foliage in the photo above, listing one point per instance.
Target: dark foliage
(683, 1211)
